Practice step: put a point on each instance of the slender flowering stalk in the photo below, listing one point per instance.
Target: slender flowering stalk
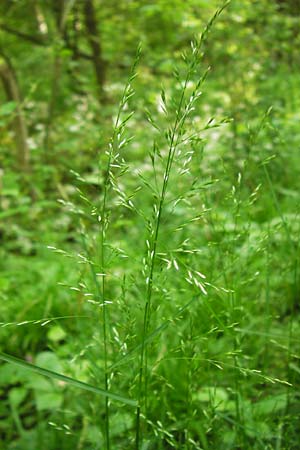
(116, 142)
(114, 147)
(174, 136)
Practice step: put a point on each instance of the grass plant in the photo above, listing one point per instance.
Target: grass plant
(170, 320)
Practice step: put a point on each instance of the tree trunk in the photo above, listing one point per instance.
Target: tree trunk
(60, 10)
(10, 85)
(94, 42)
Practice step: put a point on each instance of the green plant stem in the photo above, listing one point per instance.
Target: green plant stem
(104, 220)
(181, 115)
(153, 250)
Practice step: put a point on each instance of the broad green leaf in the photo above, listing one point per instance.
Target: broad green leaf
(216, 396)
(270, 405)
(47, 396)
(56, 333)
(49, 361)
(7, 108)
(17, 395)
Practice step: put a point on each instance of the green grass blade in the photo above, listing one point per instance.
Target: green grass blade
(65, 379)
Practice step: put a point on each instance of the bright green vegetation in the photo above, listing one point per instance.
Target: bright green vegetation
(149, 225)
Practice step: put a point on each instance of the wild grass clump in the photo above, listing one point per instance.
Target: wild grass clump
(175, 321)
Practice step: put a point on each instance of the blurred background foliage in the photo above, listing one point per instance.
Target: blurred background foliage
(63, 66)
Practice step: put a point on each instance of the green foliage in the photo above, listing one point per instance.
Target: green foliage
(167, 274)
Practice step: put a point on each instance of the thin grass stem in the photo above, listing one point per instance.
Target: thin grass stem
(183, 111)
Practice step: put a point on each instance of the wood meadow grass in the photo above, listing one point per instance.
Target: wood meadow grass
(164, 313)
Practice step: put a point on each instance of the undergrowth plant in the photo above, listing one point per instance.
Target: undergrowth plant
(171, 316)
(176, 136)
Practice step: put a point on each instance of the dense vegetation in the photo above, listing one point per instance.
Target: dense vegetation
(149, 224)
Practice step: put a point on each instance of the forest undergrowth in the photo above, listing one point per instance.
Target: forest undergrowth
(155, 305)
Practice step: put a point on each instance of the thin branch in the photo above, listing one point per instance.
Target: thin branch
(37, 40)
